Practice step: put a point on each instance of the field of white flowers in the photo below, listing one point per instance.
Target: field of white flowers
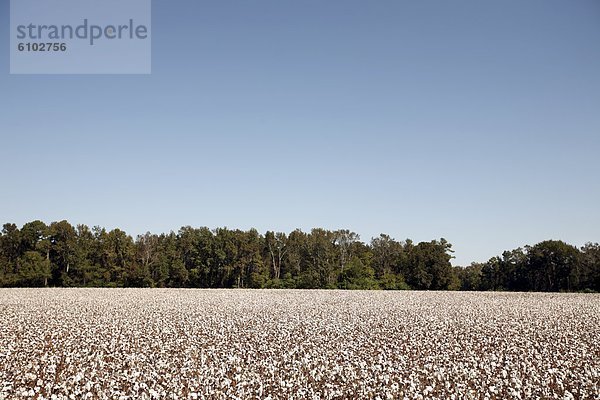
(297, 344)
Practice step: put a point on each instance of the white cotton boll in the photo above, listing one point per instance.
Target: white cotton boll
(30, 377)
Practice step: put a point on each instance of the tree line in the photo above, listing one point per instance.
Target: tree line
(61, 254)
(549, 266)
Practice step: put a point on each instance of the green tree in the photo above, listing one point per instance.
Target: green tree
(345, 242)
(117, 257)
(294, 261)
(10, 244)
(357, 275)
(553, 265)
(508, 272)
(276, 245)
(321, 258)
(32, 235)
(249, 261)
(470, 277)
(590, 271)
(146, 260)
(34, 269)
(429, 266)
(169, 270)
(61, 251)
(388, 256)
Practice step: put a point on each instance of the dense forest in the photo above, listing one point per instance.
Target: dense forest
(61, 254)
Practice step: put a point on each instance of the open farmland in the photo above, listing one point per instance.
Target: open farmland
(153, 343)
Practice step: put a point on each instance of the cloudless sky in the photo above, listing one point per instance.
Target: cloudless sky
(476, 121)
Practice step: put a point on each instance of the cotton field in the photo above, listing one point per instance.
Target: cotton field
(280, 344)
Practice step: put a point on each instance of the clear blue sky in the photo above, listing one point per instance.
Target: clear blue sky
(477, 121)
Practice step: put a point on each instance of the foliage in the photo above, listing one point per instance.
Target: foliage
(549, 266)
(60, 254)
